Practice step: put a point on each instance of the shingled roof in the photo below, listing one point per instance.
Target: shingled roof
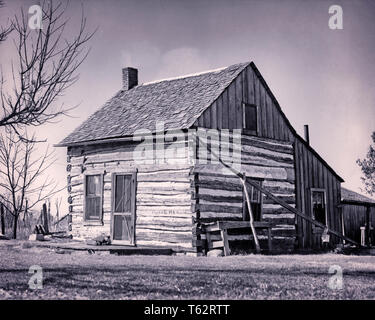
(176, 102)
(351, 196)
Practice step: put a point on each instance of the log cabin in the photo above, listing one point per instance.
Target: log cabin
(137, 172)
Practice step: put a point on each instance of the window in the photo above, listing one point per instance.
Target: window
(250, 117)
(318, 204)
(255, 202)
(93, 197)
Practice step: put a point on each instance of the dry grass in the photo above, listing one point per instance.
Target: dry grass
(79, 275)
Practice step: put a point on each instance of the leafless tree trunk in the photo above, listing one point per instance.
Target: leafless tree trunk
(2, 218)
(46, 67)
(22, 175)
(57, 205)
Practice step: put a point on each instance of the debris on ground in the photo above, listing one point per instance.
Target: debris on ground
(36, 237)
(99, 241)
(2, 237)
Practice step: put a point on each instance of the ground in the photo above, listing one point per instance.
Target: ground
(80, 275)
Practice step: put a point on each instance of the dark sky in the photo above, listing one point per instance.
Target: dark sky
(321, 77)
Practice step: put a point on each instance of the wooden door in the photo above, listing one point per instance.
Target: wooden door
(123, 208)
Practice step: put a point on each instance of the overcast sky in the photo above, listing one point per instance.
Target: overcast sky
(321, 77)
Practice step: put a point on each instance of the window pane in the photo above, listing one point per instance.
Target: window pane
(93, 208)
(93, 185)
(319, 209)
(123, 193)
(250, 117)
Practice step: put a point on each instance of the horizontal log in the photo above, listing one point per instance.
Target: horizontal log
(163, 210)
(222, 206)
(279, 221)
(223, 199)
(234, 237)
(211, 215)
(164, 177)
(180, 151)
(287, 198)
(166, 244)
(172, 222)
(251, 171)
(164, 236)
(220, 192)
(246, 150)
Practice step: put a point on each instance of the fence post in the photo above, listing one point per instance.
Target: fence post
(45, 218)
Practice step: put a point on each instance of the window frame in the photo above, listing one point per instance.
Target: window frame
(98, 220)
(246, 130)
(324, 191)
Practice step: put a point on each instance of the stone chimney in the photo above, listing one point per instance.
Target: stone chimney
(129, 78)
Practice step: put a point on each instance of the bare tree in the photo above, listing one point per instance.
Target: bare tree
(4, 31)
(22, 181)
(46, 67)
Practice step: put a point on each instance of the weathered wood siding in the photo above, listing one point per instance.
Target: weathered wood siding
(310, 170)
(163, 212)
(220, 193)
(226, 112)
(313, 173)
(355, 216)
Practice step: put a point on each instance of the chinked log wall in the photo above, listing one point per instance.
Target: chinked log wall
(163, 192)
(220, 193)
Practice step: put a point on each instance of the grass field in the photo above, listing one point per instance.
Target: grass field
(79, 275)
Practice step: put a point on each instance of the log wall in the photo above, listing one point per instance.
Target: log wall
(221, 196)
(163, 211)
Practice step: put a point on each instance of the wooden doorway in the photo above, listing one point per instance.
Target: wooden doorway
(123, 208)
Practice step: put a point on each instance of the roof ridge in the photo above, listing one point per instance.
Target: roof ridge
(189, 75)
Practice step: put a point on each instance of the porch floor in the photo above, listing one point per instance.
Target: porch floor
(115, 249)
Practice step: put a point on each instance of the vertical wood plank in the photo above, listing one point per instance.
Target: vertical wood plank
(232, 106)
(276, 121)
(225, 109)
(201, 121)
(315, 172)
(207, 118)
(238, 101)
(331, 197)
(213, 115)
(308, 232)
(263, 110)
(219, 103)
(250, 85)
(245, 86)
(271, 132)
